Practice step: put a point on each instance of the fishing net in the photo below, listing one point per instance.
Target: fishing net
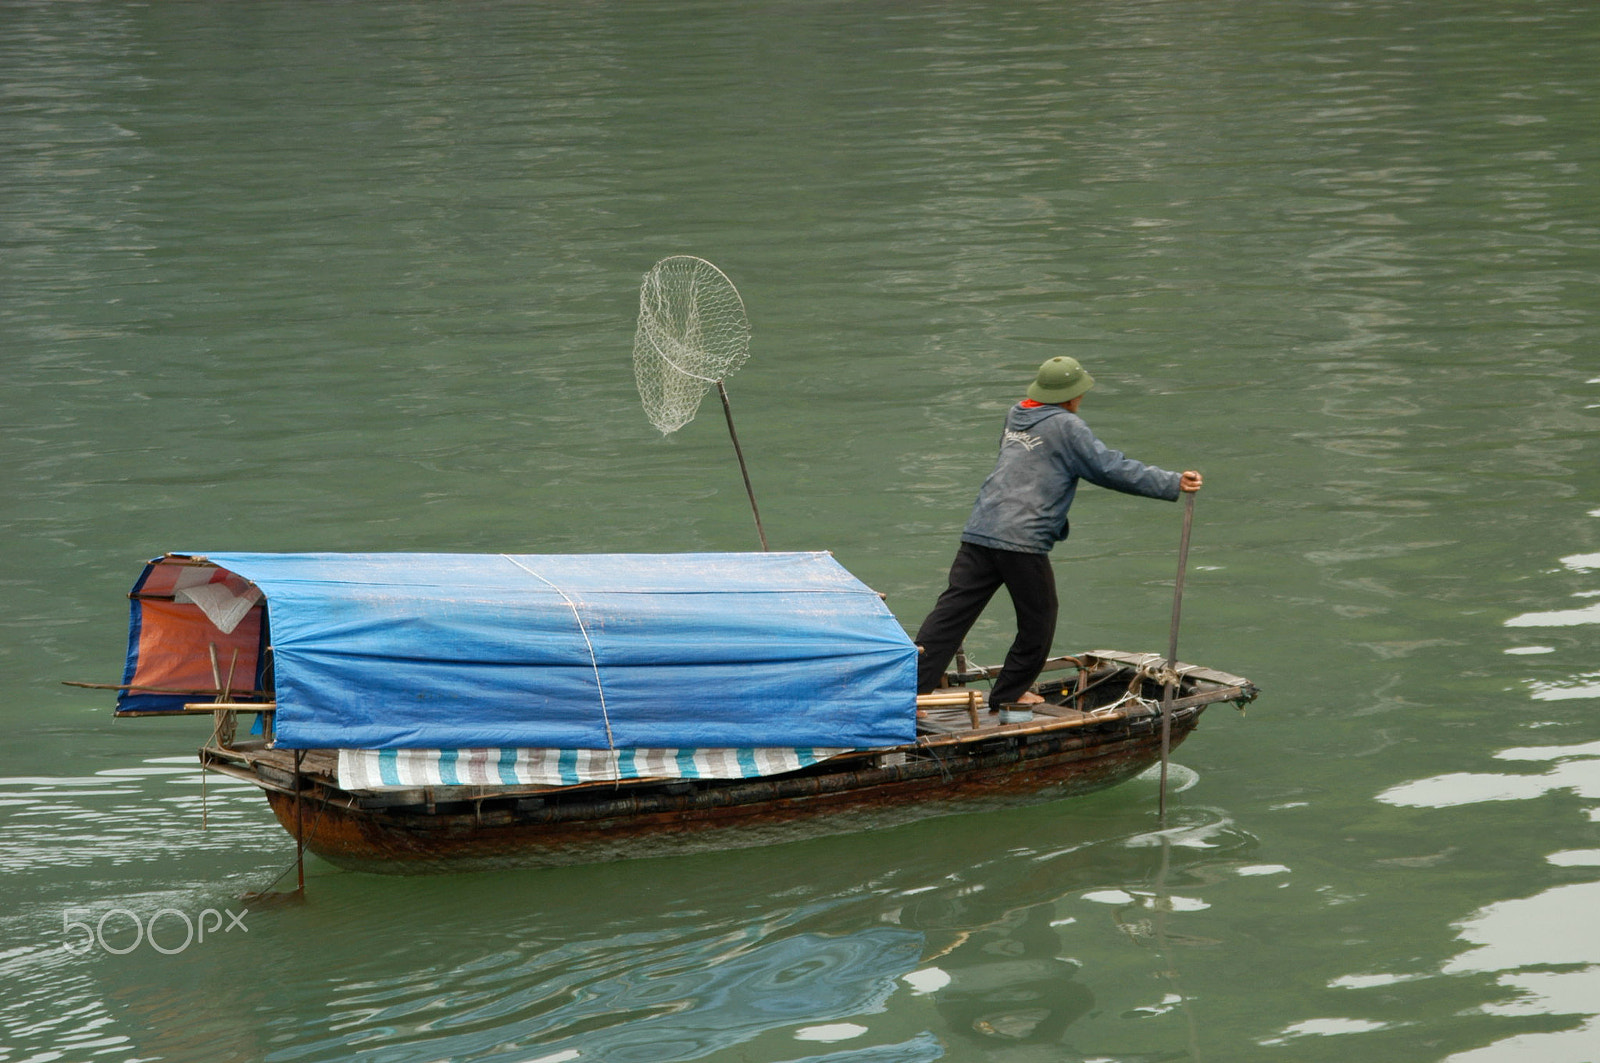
(692, 334)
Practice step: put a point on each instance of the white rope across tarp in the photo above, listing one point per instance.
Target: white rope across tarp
(391, 769)
(583, 629)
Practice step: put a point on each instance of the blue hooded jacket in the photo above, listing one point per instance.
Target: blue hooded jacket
(1044, 452)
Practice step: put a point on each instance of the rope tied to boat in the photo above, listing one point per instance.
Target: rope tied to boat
(1154, 667)
(583, 629)
(1123, 705)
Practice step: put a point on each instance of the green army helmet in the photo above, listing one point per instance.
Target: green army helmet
(1061, 379)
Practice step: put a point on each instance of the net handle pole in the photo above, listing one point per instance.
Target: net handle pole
(727, 411)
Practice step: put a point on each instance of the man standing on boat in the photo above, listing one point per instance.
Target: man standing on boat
(1021, 512)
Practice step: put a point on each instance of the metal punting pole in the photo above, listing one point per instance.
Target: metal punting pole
(1172, 649)
(299, 828)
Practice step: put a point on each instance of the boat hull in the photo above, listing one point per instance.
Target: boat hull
(610, 823)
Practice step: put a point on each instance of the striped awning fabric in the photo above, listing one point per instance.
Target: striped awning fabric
(391, 769)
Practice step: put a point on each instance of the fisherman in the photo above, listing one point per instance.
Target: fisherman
(1021, 512)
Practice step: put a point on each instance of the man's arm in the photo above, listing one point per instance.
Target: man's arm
(1104, 467)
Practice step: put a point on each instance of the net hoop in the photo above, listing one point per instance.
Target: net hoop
(692, 333)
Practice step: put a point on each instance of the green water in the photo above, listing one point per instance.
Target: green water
(282, 276)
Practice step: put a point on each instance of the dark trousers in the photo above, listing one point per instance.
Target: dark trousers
(976, 573)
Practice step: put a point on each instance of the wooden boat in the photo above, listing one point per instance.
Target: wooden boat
(1100, 724)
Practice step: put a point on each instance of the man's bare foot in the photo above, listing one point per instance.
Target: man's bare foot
(1027, 697)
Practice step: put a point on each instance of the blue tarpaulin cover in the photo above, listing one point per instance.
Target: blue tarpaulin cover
(584, 651)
